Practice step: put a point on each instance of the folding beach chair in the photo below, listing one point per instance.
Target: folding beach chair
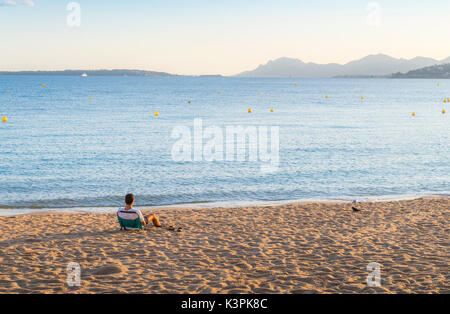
(129, 221)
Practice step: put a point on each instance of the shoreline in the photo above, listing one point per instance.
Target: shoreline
(11, 212)
(292, 248)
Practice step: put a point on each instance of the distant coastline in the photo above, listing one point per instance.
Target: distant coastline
(89, 73)
(437, 71)
(440, 71)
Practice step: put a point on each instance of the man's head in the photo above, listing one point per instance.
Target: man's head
(129, 199)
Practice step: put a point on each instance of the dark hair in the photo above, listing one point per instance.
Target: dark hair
(129, 199)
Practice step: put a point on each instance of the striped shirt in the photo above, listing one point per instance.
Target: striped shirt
(131, 214)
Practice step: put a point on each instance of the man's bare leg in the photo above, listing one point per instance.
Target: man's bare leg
(154, 219)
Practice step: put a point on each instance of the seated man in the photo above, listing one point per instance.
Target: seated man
(145, 220)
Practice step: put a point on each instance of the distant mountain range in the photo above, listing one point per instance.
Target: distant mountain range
(441, 71)
(373, 65)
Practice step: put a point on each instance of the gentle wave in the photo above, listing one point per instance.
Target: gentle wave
(44, 207)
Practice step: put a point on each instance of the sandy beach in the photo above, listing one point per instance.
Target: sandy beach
(295, 248)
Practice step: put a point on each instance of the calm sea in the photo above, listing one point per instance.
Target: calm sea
(62, 150)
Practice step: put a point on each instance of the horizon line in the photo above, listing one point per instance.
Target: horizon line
(219, 74)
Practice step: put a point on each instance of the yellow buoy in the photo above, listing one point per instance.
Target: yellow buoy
(5, 119)
(326, 96)
(259, 94)
(218, 92)
(443, 111)
(149, 89)
(271, 110)
(438, 84)
(189, 101)
(43, 85)
(9, 95)
(413, 114)
(362, 97)
(448, 99)
(296, 85)
(90, 98)
(249, 110)
(156, 114)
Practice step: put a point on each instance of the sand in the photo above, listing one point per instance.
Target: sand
(295, 248)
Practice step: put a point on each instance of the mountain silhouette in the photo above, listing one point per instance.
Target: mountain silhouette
(372, 65)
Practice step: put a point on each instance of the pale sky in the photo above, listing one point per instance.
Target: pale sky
(216, 37)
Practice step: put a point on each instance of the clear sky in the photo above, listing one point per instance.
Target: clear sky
(216, 37)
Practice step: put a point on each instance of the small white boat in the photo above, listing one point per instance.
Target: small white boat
(84, 75)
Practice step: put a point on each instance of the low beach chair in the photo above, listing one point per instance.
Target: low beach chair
(129, 221)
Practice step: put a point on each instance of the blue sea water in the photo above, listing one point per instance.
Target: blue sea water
(61, 150)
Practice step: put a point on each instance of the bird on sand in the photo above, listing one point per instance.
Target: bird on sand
(354, 208)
